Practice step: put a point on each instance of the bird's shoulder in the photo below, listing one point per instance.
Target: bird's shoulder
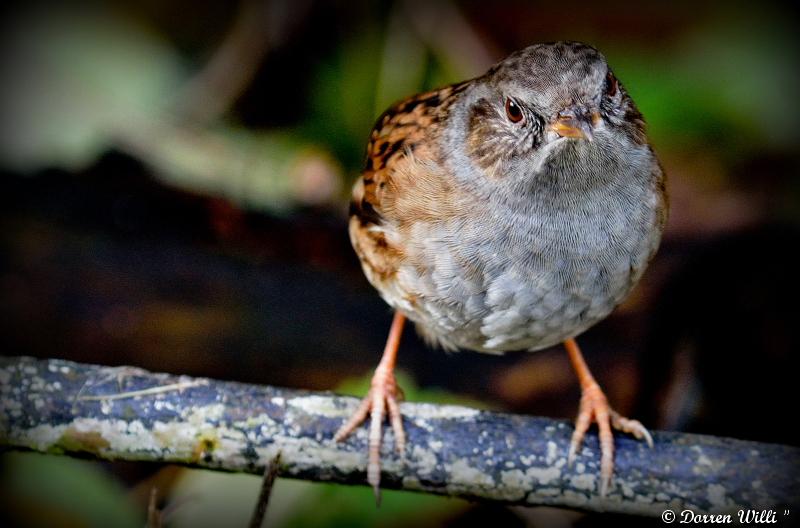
(404, 181)
(403, 146)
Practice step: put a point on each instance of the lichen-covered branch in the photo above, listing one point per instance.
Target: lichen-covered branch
(130, 414)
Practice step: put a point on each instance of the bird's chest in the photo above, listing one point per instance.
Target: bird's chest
(508, 281)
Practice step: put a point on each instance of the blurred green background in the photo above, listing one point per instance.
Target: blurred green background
(175, 178)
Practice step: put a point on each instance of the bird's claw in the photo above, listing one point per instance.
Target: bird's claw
(594, 407)
(383, 399)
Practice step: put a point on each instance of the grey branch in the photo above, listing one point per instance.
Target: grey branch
(129, 414)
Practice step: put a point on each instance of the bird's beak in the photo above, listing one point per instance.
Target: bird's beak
(572, 123)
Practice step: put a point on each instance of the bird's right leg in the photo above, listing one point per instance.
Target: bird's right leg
(384, 395)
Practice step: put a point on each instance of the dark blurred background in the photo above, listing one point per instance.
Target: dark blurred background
(175, 178)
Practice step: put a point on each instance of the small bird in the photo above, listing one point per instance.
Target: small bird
(511, 211)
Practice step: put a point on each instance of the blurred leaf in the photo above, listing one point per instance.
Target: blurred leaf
(207, 499)
(729, 85)
(203, 498)
(50, 490)
(403, 66)
(359, 386)
(71, 78)
(354, 507)
(343, 97)
(82, 82)
(257, 170)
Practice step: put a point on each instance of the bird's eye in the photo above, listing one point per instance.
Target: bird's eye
(513, 111)
(611, 85)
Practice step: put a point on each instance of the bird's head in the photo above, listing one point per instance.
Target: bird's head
(554, 106)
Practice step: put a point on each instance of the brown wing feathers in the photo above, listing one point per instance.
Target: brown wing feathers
(401, 129)
(400, 146)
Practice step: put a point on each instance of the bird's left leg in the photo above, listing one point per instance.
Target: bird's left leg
(594, 407)
(384, 395)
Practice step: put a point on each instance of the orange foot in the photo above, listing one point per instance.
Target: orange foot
(594, 407)
(384, 395)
